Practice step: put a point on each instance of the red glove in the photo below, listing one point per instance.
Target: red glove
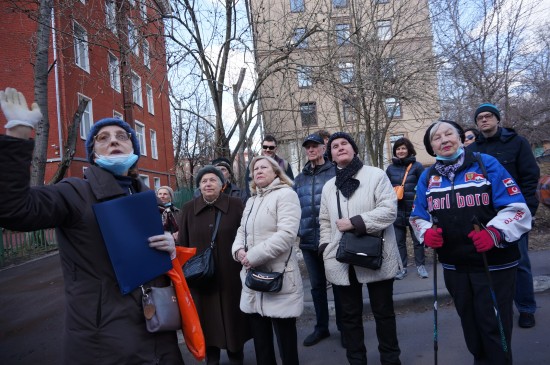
(433, 238)
(485, 239)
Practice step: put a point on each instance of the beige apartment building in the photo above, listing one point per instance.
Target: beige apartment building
(361, 66)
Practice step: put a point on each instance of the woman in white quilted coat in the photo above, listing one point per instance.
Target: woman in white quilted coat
(265, 241)
(369, 204)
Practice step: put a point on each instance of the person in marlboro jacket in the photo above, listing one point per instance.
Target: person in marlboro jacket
(462, 189)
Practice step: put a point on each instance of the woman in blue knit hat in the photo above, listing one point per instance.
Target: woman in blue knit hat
(102, 326)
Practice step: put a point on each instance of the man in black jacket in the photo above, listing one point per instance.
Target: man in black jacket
(514, 153)
(309, 186)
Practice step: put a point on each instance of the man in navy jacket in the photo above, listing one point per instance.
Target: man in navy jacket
(514, 153)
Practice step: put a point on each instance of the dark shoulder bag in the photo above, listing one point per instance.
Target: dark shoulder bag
(364, 251)
(199, 270)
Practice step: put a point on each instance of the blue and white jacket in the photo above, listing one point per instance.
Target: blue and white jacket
(495, 200)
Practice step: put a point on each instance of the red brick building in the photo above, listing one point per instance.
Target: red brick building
(110, 52)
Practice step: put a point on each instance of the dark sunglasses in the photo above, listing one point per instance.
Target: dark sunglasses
(271, 148)
(470, 137)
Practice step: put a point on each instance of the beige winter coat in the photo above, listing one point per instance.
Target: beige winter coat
(272, 218)
(375, 201)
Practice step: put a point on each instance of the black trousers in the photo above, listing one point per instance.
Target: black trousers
(381, 301)
(287, 338)
(474, 305)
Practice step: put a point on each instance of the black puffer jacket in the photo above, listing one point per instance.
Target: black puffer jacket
(309, 186)
(396, 172)
(514, 153)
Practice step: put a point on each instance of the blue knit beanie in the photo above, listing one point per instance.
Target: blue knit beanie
(487, 107)
(105, 122)
(340, 135)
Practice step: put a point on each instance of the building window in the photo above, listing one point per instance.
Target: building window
(298, 35)
(393, 108)
(384, 30)
(136, 89)
(308, 112)
(348, 111)
(87, 117)
(110, 15)
(346, 72)
(133, 38)
(114, 72)
(154, 150)
(143, 9)
(156, 182)
(388, 68)
(140, 133)
(146, 54)
(150, 102)
(81, 47)
(339, 4)
(117, 115)
(304, 76)
(297, 6)
(145, 180)
(342, 34)
(382, 1)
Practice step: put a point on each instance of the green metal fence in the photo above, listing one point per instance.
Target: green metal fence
(17, 247)
(182, 196)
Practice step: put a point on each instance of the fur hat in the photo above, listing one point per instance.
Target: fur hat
(340, 135)
(427, 142)
(487, 107)
(169, 190)
(208, 169)
(103, 123)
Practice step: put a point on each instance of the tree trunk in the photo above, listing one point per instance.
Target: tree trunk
(40, 153)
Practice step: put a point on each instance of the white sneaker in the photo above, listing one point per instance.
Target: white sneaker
(422, 272)
(401, 274)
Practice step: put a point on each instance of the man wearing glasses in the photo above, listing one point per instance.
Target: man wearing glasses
(269, 149)
(514, 153)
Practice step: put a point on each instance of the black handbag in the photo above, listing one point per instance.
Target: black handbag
(199, 269)
(160, 308)
(270, 282)
(364, 251)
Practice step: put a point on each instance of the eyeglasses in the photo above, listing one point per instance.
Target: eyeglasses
(105, 138)
(271, 148)
(484, 116)
(469, 137)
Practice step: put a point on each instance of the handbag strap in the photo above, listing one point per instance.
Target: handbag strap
(338, 203)
(406, 173)
(217, 224)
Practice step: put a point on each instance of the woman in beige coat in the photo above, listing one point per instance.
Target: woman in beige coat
(265, 242)
(368, 205)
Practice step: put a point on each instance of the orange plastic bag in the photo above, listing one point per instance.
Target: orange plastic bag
(190, 323)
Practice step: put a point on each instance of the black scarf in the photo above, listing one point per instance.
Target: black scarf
(344, 180)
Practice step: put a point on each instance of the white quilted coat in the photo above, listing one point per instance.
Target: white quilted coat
(376, 202)
(272, 218)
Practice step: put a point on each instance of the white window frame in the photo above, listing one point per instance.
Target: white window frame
(347, 72)
(110, 15)
(143, 9)
(146, 54)
(154, 148)
(81, 52)
(393, 108)
(343, 33)
(150, 99)
(156, 183)
(339, 4)
(383, 30)
(137, 96)
(297, 35)
(140, 133)
(145, 180)
(304, 77)
(117, 115)
(87, 116)
(133, 38)
(297, 6)
(349, 114)
(114, 71)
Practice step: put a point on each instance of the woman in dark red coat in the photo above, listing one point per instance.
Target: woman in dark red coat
(223, 323)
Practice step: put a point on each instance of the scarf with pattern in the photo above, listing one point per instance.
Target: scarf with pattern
(344, 177)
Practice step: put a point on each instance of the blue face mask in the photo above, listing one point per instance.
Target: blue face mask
(117, 164)
(458, 152)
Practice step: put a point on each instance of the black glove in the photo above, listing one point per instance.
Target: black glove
(321, 249)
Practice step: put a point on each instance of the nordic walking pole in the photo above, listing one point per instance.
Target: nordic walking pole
(477, 228)
(434, 226)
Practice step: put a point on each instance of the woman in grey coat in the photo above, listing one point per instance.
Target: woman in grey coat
(102, 326)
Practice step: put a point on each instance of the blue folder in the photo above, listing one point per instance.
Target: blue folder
(126, 224)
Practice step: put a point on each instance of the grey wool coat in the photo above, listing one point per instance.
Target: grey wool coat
(102, 326)
(223, 324)
(376, 203)
(270, 226)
